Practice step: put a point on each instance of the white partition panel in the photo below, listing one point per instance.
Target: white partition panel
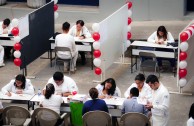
(113, 33)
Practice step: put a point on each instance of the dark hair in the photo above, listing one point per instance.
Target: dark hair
(152, 79)
(111, 91)
(162, 29)
(50, 90)
(93, 93)
(140, 77)
(134, 92)
(22, 78)
(66, 26)
(81, 22)
(6, 21)
(191, 112)
(58, 76)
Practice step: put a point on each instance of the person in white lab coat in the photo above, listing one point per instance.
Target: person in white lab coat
(190, 121)
(81, 31)
(159, 104)
(19, 85)
(66, 40)
(63, 85)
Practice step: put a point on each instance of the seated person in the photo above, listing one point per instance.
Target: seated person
(51, 100)
(108, 89)
(79, 30)
(94, 104)
(131, 105)
(63, 85)
(161, 36)
(19, 85)
(190, 121)
(144, 89)
(66, 40)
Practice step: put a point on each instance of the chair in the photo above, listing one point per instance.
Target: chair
(47, 117)
(96, 118)
(134, 119)
(16, 115)
(149, 63)
(70, 60)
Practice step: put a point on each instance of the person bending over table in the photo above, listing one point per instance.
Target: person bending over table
(19, 85)
(108, 89)
(81, 31)
(94, 104)
(63, 85)
(161, 36)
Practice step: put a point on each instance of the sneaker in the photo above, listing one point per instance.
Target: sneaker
(2, 65)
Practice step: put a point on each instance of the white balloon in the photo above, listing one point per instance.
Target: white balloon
(192, 29)
(17, 39)
(55, 1)
(129, 13)
(96, 45)
(184, 46)
(14, 22)
(129, 28)
(183, 64)
(182, 82)
(97, 62)
(96, 27)
(128, 43)
(56, 15)
(17, 54)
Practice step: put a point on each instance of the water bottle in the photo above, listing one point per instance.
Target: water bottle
(39, 92)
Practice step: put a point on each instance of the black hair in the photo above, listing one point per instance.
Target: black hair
(50, 90)
(191, 112)
(93, 93)
(6, 21)
(162, 29)
(152, 79)
(81, 22)
(134, 92)
(140, 77)
(111, 91)
(58, 76)
(66, 26)
(22, 78)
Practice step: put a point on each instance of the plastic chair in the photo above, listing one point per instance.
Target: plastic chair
(96, 118)
(134, 119)
(47, 117)
(76, 113)
(16, 115)
(149, 63)
(70, 60)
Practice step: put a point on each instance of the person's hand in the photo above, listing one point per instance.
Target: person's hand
(108, 97)
(102, 96)
(19, 92)
(8, 93)
(149, 105)
(81, 37)
(5, 31)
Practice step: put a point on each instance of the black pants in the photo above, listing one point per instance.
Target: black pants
(83, 57)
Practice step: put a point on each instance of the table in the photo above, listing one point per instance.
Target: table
(8, 42)
(135, 51)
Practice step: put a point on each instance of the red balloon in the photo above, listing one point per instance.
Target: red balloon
(183, 56)
(182, 73)
(96, 36)
(129, 4)
(192, 26)
(15, 31)
(184, 36)
(17, 61)
(55, 7)
(97, 53)
(129, 35)
(129, 21)
(189, 31)
(74, 92)
(17, 46)
(98, 71)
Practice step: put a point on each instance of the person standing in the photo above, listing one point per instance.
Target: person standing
(159, 104)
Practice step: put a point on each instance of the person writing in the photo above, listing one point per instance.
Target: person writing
(190, 121)
(4, 26)
(19, 85)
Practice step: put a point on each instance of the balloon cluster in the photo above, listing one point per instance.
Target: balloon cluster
(56, 14)
(96, 46)
(17, 46)
(184, 36)
(129, 24)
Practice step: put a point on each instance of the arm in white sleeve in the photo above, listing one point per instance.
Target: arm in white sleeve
(73, 86)
(152, 37)
(72, 31)
(86, 32)
(165, 104)
(29, 89)
(170, 38)
(8, 87)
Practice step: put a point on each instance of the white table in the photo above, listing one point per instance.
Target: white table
(6, 42)
(135, 51)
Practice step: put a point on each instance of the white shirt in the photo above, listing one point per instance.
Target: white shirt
(84, 31)
(54, 103)
(68, 85)
(190, 122)
(160, 102)
(100, 87)
(29, 89)
(153, 38)
(145, 92)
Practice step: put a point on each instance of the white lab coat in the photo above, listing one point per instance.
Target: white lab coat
(9, 28)
(84, 32)
(160, 110)
(1, 55)
(190, 122)
(29, 89)
(100, 87)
